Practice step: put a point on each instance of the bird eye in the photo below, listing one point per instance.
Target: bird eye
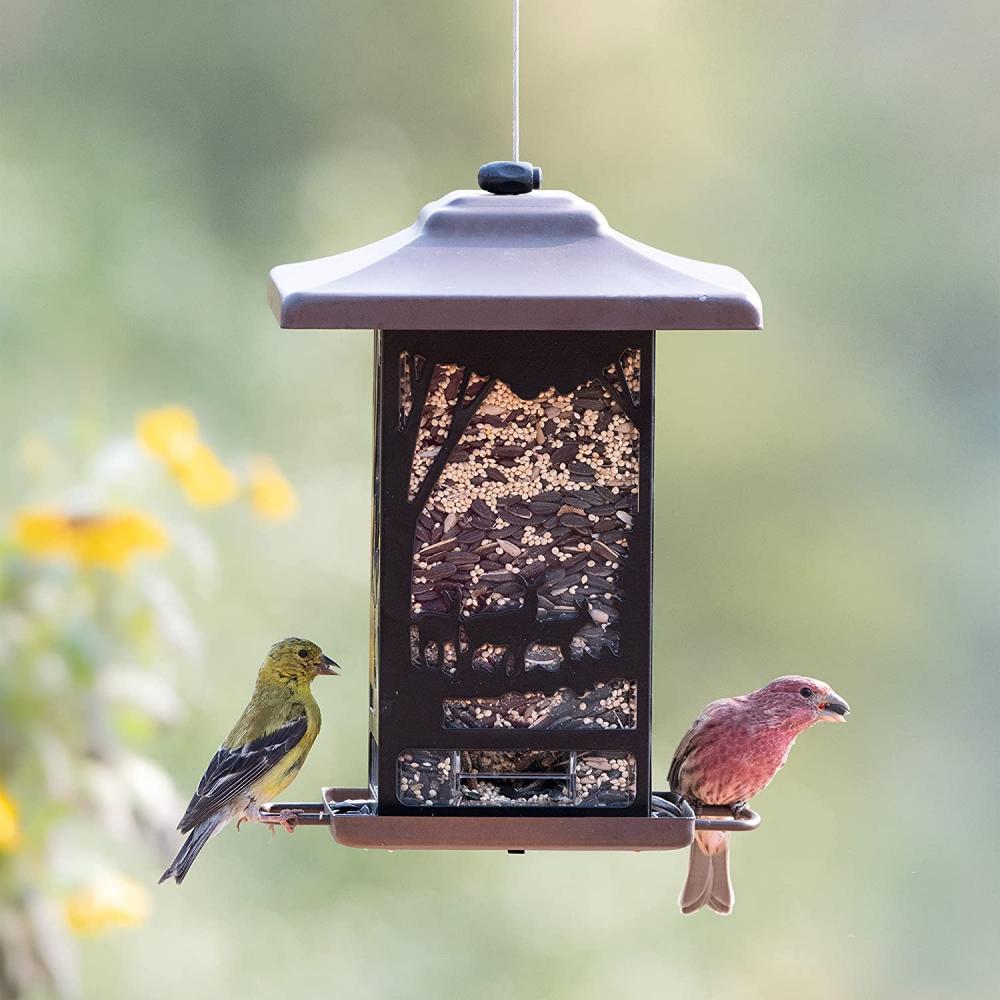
(806, 692)
(303, 653)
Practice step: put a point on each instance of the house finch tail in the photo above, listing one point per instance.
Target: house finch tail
(708, 882)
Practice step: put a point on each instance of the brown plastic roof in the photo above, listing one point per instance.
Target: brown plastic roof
(540, 261)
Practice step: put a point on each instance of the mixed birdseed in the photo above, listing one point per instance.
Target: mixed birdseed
(609, 705)
(630, 369)
(624, 375)
(605, 779)
(405, 388)
(425, 778)
(515, 778)
(538, 492)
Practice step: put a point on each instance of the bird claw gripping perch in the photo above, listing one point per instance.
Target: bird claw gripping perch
(289, 820)
(734, 818)
(737, 811)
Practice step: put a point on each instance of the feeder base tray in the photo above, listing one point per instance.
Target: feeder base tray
(357, 827)
(504, 833)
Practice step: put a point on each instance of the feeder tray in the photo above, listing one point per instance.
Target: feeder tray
(357, 825)
(511, 677)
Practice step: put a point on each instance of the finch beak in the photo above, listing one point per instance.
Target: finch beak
(834, 709)
(328, 666)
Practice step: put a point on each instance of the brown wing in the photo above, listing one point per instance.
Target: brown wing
(688, 743)
(680, 755)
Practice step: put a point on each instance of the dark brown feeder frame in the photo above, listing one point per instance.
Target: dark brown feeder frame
(511, 669)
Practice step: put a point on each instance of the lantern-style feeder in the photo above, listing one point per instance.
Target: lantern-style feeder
(511, 675)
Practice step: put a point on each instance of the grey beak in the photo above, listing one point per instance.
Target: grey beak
(328, 666)
(835, 709)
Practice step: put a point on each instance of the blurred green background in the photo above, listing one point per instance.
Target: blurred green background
(827, 489)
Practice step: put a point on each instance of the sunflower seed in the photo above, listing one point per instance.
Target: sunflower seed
(543, 507)
(565, 454)
(604, 551)
(440, 570)
(445, 545)
(482, 509)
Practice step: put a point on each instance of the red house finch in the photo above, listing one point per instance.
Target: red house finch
(732, 751)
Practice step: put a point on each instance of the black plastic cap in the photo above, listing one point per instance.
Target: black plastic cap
(509, 177)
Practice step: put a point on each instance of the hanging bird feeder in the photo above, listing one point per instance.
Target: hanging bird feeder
(511, 675)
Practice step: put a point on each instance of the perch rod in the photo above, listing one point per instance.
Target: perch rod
(317, 814)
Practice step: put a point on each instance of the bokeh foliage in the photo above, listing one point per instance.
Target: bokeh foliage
(827, 490)
(94, 625)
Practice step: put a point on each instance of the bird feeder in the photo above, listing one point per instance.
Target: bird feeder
(511, 674)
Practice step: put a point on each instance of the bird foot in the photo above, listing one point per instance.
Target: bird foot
(740, 810)
(288, 820)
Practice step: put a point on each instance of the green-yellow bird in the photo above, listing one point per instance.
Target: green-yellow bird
(264, 751)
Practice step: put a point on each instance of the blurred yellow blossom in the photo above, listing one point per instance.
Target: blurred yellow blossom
(110, 539)
(271, 495)
(111, 901)
(205, 480)
(170, 432)
(109, 640)
(10, 827)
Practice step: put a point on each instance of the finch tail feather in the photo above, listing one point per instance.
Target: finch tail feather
(197, 839)
(698, 886)
(721, 899)
(708, 883)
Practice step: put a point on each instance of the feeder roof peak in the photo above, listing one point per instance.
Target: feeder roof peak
(544, 260)
(556, 216)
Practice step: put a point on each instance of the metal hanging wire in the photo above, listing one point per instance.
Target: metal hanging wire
(516, 87)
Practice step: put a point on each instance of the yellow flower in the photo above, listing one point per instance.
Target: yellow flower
(205, 480)
(170, 433)
(110, 539)
(271, 494)
(10, 827)
(111, 901)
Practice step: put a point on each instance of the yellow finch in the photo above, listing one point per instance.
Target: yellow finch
(264, 751)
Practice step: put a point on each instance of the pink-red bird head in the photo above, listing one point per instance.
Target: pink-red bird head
(800, 702)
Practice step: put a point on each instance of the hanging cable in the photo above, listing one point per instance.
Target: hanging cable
(516, 126)
(512, 176)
